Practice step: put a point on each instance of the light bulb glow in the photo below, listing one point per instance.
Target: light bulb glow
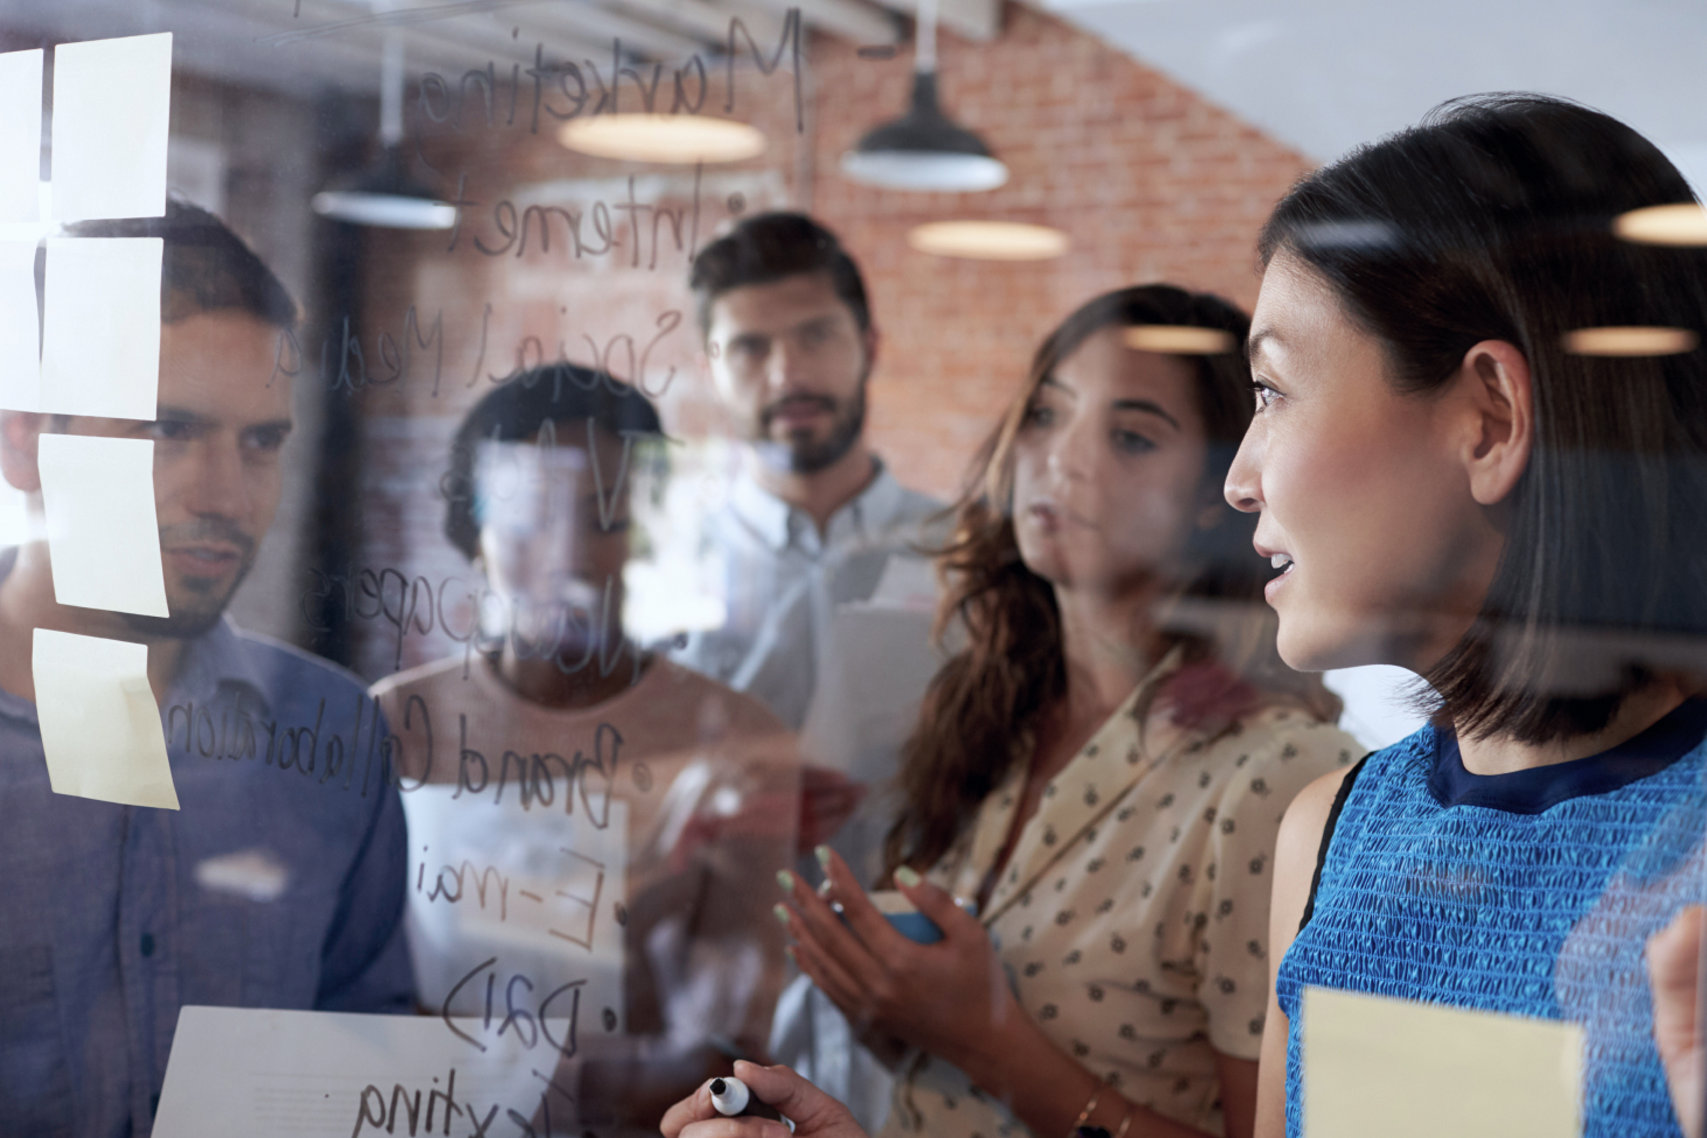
(1181, 340)
(1627, 341)
(1684, 223)
(681, 139)
(989, 240)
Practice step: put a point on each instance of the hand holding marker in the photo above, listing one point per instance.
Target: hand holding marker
(731, 1098)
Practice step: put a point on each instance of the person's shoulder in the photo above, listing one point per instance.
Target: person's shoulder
(1284, 734)
(715, 702)
(1277, 754)
(422, 677)
(285, 668)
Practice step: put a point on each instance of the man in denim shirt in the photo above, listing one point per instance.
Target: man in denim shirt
(280, 882)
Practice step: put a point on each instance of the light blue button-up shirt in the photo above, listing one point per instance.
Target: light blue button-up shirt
(783, 578)
(280, 883)
(803, 636)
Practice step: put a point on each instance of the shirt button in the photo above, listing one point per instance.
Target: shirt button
(148, 944)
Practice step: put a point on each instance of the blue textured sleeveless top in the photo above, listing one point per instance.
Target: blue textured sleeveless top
(1531, 893)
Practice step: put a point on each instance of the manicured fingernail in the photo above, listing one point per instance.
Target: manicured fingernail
(788, 951)
(907, 876)
(786, 880)
(823, 855)
(781, 912)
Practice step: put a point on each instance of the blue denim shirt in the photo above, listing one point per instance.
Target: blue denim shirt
(280, 883)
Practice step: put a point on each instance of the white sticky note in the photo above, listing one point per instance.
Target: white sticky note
(103, 540)
(111, 108)
(101, 328)
(20, 135)
(100, 726)
(20, 332)
(263, 1073)
(1374, 1065)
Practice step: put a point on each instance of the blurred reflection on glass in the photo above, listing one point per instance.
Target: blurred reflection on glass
(828, 598)
(587, 820)
(1450, 487)
(1102, 769)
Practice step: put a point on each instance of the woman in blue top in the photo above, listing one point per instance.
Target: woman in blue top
(1454, 477)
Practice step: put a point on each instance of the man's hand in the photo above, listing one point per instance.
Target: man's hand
(814, 1113)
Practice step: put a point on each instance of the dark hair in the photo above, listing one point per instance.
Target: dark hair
(524, 408)
(768, 247)
(205, 267)
(1012, 668)
(1492, 220)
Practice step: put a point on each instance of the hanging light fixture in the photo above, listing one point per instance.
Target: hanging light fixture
(385, 195)
(924, 149)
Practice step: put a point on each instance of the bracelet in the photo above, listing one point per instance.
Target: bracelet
(1084, 1114)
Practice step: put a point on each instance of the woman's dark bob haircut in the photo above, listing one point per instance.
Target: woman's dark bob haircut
(1492, 220)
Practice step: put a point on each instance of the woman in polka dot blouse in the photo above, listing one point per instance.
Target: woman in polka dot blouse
(1102, 769)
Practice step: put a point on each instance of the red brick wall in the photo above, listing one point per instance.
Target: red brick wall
(1150, 181)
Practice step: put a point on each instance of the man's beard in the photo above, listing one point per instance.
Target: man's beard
(801, 453)
(196, 605)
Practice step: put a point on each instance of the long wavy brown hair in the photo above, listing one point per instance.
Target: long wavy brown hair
(1012, 669)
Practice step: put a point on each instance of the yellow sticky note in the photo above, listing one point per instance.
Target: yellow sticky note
(111, 109)
(100, 726)
(20, 335)
(20, 135)
(101, 327)
(103, 541)
(1374, 1065)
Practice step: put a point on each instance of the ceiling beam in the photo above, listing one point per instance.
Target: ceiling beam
(977, 20)
(702, 20)
(849, 19)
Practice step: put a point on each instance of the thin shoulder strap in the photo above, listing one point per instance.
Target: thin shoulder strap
(1340, 796)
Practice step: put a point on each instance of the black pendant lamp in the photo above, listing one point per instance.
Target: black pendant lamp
(385, 195)
(924, 149)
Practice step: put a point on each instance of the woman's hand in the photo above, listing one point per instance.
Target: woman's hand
(814, 1113)
(950, 999)
(1674, 962)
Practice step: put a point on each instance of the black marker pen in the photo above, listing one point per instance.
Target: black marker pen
(730, 1097)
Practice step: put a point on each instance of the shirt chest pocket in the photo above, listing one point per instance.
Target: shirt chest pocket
(240, 952)
(35, 1079)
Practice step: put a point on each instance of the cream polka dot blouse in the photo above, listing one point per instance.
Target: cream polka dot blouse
(1132, 918)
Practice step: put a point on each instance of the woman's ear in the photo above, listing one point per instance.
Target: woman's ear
(20, 435)
(1499, 399)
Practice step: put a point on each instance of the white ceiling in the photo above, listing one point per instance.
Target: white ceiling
(301, 47)
(1324, 75)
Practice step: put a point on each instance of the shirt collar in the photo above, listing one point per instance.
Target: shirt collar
(877, 507)
(216, 659)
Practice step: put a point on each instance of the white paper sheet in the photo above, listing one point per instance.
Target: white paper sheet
(20, 330)
(111, 110)
(1406, 1070)
(20, 135)
(101, 334)
(100, 726)
(103, 539)
(537, 889)
(289, 1074)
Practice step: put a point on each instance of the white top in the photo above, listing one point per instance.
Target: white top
(1132, 916)
(830, 631)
